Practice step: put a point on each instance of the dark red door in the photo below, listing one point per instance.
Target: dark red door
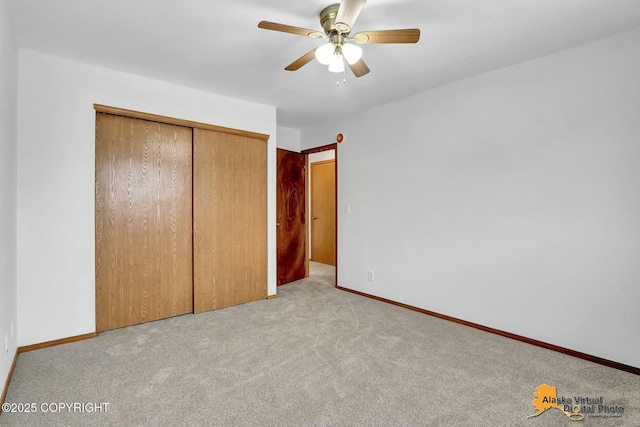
(290, 217)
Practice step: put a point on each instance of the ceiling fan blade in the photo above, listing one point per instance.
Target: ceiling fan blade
(347, 14)
(409, 35)
(303, 60)
(266, 25)
(359, 68)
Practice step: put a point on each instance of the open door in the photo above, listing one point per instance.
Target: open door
(290, 216)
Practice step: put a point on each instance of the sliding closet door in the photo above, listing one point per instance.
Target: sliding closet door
(230, 219)
(143, 221)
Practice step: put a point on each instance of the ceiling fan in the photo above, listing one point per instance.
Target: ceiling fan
(337, 21)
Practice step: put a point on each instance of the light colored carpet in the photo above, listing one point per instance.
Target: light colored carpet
(315, 356)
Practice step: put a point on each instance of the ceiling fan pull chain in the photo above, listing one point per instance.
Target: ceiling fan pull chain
(344, 71)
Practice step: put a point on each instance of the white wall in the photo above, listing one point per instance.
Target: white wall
(8, 186)
(56, 129)
(509, 199)
(288, 138)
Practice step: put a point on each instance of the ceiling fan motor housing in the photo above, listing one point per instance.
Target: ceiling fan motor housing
(328, 19)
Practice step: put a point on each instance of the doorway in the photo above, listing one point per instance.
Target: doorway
(325, 157)
(322, 195)
(289, 209)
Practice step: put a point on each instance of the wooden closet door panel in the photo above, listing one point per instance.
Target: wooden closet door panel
(254, 205)
(143, 221)
(230, 220)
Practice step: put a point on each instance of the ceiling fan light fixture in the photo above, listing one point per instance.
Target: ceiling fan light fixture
(352, 53)
(337, 64)
(324, 54)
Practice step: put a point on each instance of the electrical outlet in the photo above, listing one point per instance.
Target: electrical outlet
(347, 208)
(6, 345)
(370, 275)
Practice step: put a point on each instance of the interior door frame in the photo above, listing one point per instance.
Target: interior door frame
(306, 152)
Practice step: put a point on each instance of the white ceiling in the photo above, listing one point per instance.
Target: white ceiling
(215, 45)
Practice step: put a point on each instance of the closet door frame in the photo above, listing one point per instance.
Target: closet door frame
(99, 108)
